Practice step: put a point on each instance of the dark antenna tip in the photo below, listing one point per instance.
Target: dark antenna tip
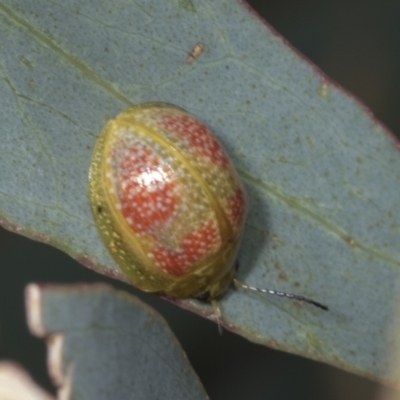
(241, 285)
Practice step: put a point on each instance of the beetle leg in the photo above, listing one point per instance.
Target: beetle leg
(217, 314)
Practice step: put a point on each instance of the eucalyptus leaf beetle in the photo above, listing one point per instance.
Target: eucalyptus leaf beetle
(169, 204)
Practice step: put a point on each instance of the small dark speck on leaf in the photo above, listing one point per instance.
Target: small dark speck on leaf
(350, 241)
(187, 5)
(283, 275)
(25, 61)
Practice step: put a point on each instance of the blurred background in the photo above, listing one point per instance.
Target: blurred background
(357, 44)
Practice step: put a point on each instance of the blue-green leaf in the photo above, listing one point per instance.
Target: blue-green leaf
(323, 176)
(105, 344)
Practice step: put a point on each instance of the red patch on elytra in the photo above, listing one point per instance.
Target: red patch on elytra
(192, 248)
(197, 135)
(237, 207)
(147, 189)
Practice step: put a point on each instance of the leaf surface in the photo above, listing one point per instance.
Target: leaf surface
(106, 344)
(322, 175)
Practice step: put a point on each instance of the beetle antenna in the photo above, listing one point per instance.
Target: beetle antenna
(241, 285)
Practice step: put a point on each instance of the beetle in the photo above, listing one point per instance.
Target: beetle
(169, 204)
